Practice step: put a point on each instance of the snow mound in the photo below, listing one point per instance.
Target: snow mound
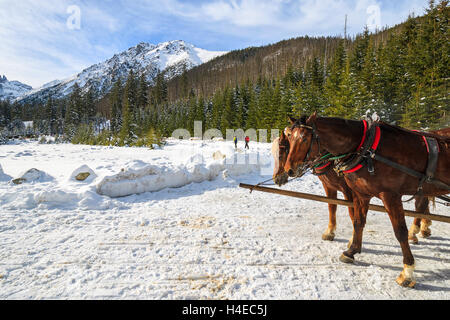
(33, 175)
(3, 176)
(151, 178)
(55, 198)
(83, 174)
(136, 181)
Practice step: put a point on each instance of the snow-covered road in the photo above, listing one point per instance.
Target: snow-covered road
(60, 239)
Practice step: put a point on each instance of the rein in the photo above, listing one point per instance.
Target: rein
(264, 183)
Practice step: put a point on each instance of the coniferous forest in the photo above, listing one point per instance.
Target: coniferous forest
(402, 73)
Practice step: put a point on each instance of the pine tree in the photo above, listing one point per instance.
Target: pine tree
(116, 100)
(129, 131)
(73, 111)
(142, 100)
(160, 94)
(90, 109)
(50, 117)
(229, 112)
(192, 106)
(125, 134)
(254, 118)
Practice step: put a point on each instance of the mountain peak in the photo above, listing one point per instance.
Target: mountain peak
(12, 89)
(170, 57)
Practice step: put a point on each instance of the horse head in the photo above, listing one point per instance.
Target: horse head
(301, 143)
(280, 151)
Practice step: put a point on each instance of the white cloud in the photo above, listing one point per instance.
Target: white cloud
(37, 46)
(251, 13)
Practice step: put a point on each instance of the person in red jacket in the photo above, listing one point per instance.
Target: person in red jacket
(247, 140)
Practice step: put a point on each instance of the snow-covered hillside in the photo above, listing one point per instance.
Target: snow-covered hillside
(12, 89)
(171, 57)
(203, 238)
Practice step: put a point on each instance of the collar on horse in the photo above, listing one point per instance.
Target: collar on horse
(363, 156)
(366, 153)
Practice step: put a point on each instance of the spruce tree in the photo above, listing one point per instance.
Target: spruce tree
(116, 100)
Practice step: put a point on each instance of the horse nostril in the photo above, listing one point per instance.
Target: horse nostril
(291, 173)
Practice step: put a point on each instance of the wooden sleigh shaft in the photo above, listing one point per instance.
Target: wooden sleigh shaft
(312, 197)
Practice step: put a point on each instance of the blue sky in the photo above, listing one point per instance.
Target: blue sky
(44, 40)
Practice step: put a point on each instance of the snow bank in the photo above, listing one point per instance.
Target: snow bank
(151, 178)
(54, 199)
(3, 176)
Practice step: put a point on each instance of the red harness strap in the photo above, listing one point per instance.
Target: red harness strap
(374, 146)
(325, 166)
(426, 142)
(364, 135)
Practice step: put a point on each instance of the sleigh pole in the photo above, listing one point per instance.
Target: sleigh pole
(312, 197)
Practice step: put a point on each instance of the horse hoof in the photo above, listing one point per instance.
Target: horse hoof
(328, 237)
(406, 283)
(346, 259)
(425, 234)
(413, 239)
(406, 279)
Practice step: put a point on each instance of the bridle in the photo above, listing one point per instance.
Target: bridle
(308, 163)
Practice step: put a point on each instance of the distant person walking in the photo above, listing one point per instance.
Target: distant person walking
(235, 142)
(247, 140)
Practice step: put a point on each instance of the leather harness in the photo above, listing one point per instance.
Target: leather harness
(365, 156)
(369, 144)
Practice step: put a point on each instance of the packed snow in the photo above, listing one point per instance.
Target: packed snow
(172, 223)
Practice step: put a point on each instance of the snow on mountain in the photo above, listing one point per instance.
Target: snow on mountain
(169, 57)
(12, 89)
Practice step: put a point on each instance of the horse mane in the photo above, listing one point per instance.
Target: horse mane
(396, 129)
(275, 149)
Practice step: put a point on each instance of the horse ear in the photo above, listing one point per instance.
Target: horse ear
(287, 131)
(292, 120)
(313, 118)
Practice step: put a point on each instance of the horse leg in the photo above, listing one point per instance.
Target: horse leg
(394, 207)
(359, 222)
(414, 230)
(330, 233)
(420, 225)
(348, 195)
(425, 231)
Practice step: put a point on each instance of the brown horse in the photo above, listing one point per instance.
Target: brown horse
(343, 138)
(422, 205)
(330, 181)
(333, 183)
